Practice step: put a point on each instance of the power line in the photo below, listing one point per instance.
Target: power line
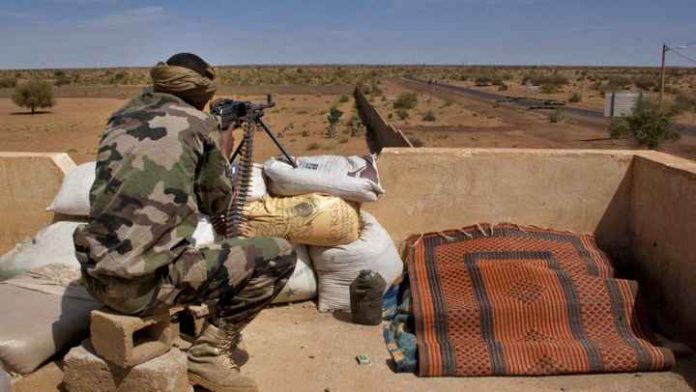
(685, 57)
(685, 46)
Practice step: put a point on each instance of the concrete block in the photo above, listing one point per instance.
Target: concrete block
(127, 341)
(84, 371)
(192, 320)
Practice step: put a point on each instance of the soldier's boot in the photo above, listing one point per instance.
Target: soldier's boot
(210, 364)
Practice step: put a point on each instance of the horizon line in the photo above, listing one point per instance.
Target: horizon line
(376, 65)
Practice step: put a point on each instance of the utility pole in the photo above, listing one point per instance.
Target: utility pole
(665, 48)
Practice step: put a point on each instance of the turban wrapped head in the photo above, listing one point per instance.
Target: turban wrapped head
(185, 83)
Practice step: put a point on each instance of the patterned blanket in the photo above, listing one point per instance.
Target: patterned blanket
(510, 300)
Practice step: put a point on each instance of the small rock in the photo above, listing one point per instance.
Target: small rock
(311, 357)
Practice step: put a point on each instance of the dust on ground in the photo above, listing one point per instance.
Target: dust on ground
(296, 348)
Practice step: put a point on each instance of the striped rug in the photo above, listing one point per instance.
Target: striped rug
(510, 300)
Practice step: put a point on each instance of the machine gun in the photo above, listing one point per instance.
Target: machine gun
(248, 115)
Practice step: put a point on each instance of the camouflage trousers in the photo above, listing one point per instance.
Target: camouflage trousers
(236, 278)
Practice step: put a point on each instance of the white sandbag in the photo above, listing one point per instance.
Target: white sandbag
(352, 178)
(73, 195)
(257, 190)
(40, 318)
(302, 284)
(338, 266)
(51, 245)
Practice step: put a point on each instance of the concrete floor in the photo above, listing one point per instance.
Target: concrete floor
(295, 348)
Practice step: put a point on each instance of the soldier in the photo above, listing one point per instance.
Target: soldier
(162, 160)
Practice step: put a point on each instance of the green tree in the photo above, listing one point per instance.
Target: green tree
(406, 101)
(34, 94)
(648, 124)
(334, 117)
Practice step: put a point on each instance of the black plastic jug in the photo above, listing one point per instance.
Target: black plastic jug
(366, 298)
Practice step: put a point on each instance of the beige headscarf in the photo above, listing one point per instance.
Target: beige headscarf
(185, 83)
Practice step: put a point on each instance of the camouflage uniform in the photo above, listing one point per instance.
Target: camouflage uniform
(159, 163)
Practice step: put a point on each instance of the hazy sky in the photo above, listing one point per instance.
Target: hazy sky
(86, 33)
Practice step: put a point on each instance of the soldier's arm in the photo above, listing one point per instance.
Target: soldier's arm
(213, 181)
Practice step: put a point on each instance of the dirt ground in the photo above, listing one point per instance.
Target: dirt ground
(591, 99)
(74, 125)
(484, 124)
(295, 348)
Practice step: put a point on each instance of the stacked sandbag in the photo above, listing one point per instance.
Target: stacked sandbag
(352, 178)
(302, 284)
(73, 196)
(51, 245)
(311, 219)
(43, 313)
(338, 266)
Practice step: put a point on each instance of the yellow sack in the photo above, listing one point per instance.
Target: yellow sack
(312, 219)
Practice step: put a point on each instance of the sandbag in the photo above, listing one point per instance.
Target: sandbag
(338, 266)
(73, 196)
(51, 245)
(311, 219)
(352, 178)
(302, 284)
(40, 317)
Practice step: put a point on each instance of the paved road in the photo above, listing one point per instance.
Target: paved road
(585, 116)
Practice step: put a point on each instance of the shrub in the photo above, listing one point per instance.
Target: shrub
(685, 103)
(343, 140)
(648, 124)
(305, 133)
(553, 81)
(429, 116)
(343, 99)
(402, 114)
(503, 88)
(618, 83)
(8, 82)
(334, 117)
(375, 90)
(62, 80)
(120, 77)
(645, 83)
(34, 94)
(406, 101)
(483, 81)
(548, 88)
(575, 98)
(416, 142)
(313, 146)
(555, 117)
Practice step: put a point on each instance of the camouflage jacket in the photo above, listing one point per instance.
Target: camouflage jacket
(158, 164)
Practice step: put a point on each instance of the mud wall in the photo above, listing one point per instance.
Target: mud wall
(382, 134)
(28, 183)
(432, 189)
(663, 232)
